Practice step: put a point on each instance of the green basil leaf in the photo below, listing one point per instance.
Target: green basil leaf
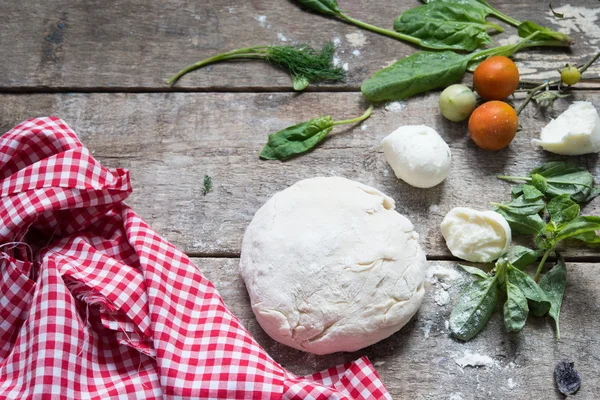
(562, 209)
(539, 182)
(564, 178)
(297, 139)
(553, 284)
(590, 238)
(475, 305)
(520, 256)
(531, 290)
(447, 25)
(415, 74)
(474, 271)
(531, 193)
(522, 206)
(516, 191)
(546, 34)
(515, 308)
(325, 7)
(524, 224)
(579, 227)
(300, 83)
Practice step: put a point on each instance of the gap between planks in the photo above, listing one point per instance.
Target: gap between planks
(594, 85)
(580, 259)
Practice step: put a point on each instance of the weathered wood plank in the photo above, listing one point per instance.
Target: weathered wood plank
(169, 141)
(420, 361)
(121, 44)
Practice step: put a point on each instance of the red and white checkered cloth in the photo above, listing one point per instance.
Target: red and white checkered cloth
(94, 304)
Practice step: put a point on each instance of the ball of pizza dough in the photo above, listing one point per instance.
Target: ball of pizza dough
(331, 266)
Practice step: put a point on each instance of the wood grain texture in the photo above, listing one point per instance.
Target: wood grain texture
(420, 361)
(137, 44)
(169, 141)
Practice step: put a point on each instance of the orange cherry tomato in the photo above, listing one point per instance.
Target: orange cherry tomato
(496, 78)
(493, 125)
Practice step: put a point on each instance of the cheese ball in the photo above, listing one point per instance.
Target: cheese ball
(418, 155)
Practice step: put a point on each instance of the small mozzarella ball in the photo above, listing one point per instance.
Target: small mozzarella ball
(418, 155)
(477, 236)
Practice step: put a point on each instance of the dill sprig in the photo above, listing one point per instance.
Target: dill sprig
(305, 64)
(207, 184)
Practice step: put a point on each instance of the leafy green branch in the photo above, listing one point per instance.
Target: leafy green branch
(555, 191)
(305, 64)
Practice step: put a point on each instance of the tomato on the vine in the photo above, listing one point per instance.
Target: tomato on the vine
(493, 125)
(570, 75)
(496, 78)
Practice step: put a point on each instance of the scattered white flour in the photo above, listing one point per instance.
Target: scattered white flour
(427, 328)
(378, 363)
(231, 10)
(364, 127)
(356, 53)
(456, 396)
(196, 16)
(395, 106)
(386, 172)
(270, 97)
(262, 20)
(337, 41)
(281, 37)
(475, 360)
(345, 67)
(511, 384)
(512, 39)
(441, 297)
(443, 274)
(578, 19)
(356, 39)
(336, 61)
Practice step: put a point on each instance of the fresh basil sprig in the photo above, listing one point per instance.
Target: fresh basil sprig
(554, 190)
(302, 137)
(559, 177)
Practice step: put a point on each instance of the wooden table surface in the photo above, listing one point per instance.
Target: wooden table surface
(101, 66)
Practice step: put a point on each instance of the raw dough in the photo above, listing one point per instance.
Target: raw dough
(418, 155)
(477, 236)
(331, 266)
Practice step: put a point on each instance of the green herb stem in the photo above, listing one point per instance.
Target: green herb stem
(505, 18)
(541, 264)
(357, 119)
(385, 32)
(547, 85)
(494, 26)
(247, 52)
(513, 178)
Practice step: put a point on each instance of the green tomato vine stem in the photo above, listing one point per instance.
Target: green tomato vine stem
(547, 85)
